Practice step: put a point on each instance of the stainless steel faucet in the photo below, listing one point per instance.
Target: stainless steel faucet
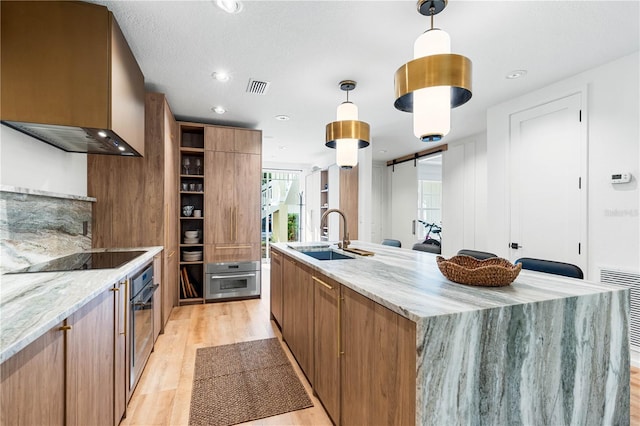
(345, 238)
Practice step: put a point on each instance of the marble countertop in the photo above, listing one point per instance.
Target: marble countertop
(31, 304)
(409, 282)
(29, 191)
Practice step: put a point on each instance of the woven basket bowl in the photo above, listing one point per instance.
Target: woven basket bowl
(492, 272)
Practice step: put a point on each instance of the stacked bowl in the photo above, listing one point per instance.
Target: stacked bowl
(191, 237)
(191, 256)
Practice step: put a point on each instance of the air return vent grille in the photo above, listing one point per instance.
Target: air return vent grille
(632, 281)
(258, 87)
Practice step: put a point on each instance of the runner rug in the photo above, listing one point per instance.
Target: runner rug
(242, 382)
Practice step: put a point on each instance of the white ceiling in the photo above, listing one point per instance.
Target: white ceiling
(304, 48)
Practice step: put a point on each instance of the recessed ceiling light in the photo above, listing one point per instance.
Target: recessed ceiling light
(218, 110)
(383, 151)
(121, 148)
(102, 134)
(516, 74)
(229, 6)
(282, 117)
(221, 76)
(282, 147)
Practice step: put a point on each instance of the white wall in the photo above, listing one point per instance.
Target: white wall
(380, 206)
(613, 120)
(464, 195)
(26, 162)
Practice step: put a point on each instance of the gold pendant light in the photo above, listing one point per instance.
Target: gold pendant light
(347, 134)
(434, 81)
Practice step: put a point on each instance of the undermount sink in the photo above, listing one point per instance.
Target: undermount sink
(326, 255)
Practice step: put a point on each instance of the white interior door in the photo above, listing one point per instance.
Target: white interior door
(548, 208)
(404, 204)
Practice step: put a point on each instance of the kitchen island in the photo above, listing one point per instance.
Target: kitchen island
(544, 350)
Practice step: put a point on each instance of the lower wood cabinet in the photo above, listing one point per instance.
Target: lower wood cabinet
(32, 386)
(276, 287)
(90, 362)
(297, 323)
(363, 355)
(378, 364)
(72, 374)
(327, 345)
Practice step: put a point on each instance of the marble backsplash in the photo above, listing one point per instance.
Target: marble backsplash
(36, 226)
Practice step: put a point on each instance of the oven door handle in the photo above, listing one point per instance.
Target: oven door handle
(215, 277)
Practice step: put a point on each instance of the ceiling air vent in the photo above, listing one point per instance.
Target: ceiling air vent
(258, 87)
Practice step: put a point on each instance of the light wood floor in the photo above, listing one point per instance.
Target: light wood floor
(163, 395)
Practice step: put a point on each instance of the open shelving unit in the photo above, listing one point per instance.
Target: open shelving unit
(191, 190)
(324, 201)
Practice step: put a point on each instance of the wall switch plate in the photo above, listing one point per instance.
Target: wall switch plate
(621, 177)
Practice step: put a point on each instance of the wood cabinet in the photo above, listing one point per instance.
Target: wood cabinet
(363, 355)
(327, 350)
(297, 321)
(141, 194)
(75, 374)
(233, 169)
(121, 361)
(157, 296)
(90, 362)
(32, 383)
(378, 367)
(276, 287)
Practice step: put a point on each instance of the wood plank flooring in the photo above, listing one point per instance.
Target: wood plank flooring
(163, 395)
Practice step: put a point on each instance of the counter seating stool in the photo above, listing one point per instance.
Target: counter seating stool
(551, 267)
(390, 242)
(429, 248)
(480, 255)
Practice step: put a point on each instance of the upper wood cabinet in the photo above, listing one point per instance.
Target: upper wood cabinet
(67, 63)
(229, 139)
(120, 219)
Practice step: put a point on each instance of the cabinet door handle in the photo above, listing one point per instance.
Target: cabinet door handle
(323, 283)
(126, 308)
(65, 328)
(340, 299)
(231, 224)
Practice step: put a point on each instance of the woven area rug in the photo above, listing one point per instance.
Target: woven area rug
(242, 382)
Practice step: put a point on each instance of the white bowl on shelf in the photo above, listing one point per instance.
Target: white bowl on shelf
(191, 240)
(191, 256)
(191, 234)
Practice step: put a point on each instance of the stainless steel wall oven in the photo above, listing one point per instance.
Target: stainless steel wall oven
(232, 280)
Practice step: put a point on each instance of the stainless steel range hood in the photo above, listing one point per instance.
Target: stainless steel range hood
(69, 78)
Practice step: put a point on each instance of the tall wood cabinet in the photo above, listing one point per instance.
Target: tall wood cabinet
(233, 165)
(136, 197)
(221, 169)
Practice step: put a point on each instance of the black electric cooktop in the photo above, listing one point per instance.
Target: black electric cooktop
(83, 261)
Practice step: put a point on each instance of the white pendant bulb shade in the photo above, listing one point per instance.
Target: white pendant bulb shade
(347, 149)
(431, 105)
(347, 153)
(434, 81)
(347, 134)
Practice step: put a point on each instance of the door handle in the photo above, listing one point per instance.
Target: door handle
(413, 227)
(515, 246)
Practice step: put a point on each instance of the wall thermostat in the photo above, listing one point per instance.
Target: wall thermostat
(621, 177)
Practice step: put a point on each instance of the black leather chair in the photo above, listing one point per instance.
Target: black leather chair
(551, 267)
(429, 248)
(390, 242)
(480, 255)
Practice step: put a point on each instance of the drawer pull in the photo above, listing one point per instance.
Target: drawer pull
(65, 328)
(323, 283)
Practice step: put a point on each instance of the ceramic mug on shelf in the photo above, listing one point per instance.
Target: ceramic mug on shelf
(197, 213)
(187, 210)
(199, 187)
(192, 187)
(185, 186)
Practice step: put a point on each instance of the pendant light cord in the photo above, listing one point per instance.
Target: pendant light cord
(432, 12)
